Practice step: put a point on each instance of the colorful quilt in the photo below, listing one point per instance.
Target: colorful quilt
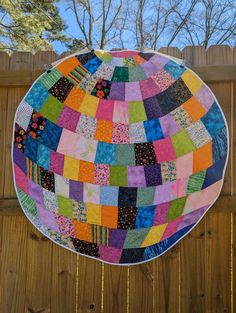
(117, 155)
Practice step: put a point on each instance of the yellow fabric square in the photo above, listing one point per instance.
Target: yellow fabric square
(93, 213)
(71, 168)
(192, 81)
(154, 235)
(89, 105)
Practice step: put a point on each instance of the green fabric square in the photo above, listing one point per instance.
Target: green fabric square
(65, 207)
(118, 176)
(182, 143)
(176, 208)
(135, 237)
(48, 79)
(136, 74)
(195, 182)
(137, 112)
(125, 154)
(145, 196)
(51, 108)
(27, 202)
(121, 74)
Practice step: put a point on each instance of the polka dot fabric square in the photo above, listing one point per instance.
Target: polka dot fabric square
(118, 154)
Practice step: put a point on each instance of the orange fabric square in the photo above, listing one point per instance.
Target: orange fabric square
(83, 231)
(104, 131)
(202, 158)
(194, 109)
(86, 171)
(109, 216)
(138, 59)
(67, 65)
(74, 98)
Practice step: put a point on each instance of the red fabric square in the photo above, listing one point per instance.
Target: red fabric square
(164, 150)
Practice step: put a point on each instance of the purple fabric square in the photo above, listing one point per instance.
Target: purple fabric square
(117, 237)
(136, 176)
(117, 91)
(164, 193)
(47, 218)
(205, 97)
(153, 174)
(168, 125)
(152, 108)
(148, 88)
(68, 118)
(161, 213)
(149, 68)
(19, 159)
(159, 61)
(56, 162)
(192, 217)
(76, 190)
(36, 192)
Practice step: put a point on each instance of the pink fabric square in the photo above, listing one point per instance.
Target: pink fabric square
(21, 179)
(161, 213)
(171, 228)
(68, 142)
(205, 97)
(105, 110)
(148, 88)
(184, 165)
(121, 112)
(132, 91)
(56, 162)
(168, 125)
(179, 187)
(120, 133)
(164, 150)
(68, 118)
(110, 254)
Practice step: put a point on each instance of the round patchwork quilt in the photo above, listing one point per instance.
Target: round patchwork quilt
(117, 155)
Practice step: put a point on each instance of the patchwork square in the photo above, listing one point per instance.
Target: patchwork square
(167, 101)
(181, 117)
(23, 114)
(102, 174)
(37, 96)
(125, 154)
(118, 176)
(136, 176)
(68, 142)
(202, 158)
(51, 109)
(168, 171)
(192, 81)
(74, 98)
(89, 105)
(43, 156)
(120, 133)
(164, 150)
(94, 213)
(110, 216)
(174, 69)
(145, 216)
(68, 119)
(137, 133)
(86, 126)
(47, 179)
(86, 149)
(152, 108)
(120, 74)
(198, 134)
(85, 247)
(102, 88)
(93, 64)
(153, 174)
(83, 231)
(213, 120)
(109, 195)
(127, 197)
(71, 168)
(154, 235)
(86, 171)
(194, 109)
(135, 238)
(136, 112)
(76, 190)
(182, 143)
(180, 92)
(145, 196)
(104, 130)
(61, 89)
(195, 182)
(105, 110)
(129, 91)
(127, 217)
(36, 125)
(105, 153)
(121, 112)
(117, 237)
(144, 153)
(176, 208)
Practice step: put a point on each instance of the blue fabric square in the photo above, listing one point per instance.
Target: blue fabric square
(214, 173)
(153, 130)
(145, 217)
(43, 156)
(109, 195)
(213, 120)
(51, 135)
(174, 69)
(31, 148)
(36, 96)
(105, 153)
(219, 145)
(93, 64)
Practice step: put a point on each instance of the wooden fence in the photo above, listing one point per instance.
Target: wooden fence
(197, 275)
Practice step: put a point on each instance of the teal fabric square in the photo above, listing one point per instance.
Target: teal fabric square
(145, 196)
(36, 96)
(49, 78)
(105, 153)
(136, 73)
(121, 74)
(43, 156)
(125, 154)
(174, 69)
(135, 237)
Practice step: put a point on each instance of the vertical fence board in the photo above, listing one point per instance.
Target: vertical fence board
(115, 289)
(89, 285)
(13, 264)
(64, 275)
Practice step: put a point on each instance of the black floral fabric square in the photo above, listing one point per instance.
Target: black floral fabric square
(144, 153)
(20, 138)
(61, 89)
(127, 197)
(102, 88)
(36, 125)
(47, 179)
(127, 217)
(180, 92)
(85, 247)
